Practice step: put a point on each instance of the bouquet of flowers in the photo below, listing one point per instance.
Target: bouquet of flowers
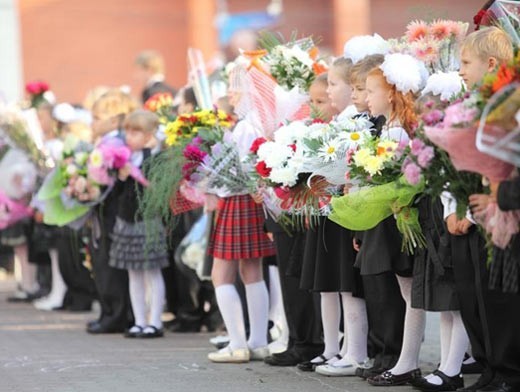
(14, 130)
(172, 185)
(375, 168)
(83, 179)
(437, 44)
(162, 105)
(456, 134)
(501, 13)
(294, 64)
(186, 126)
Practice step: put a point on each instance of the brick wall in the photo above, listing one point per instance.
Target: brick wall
(78, 44)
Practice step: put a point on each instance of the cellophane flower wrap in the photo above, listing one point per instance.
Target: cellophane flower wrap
(381, 191)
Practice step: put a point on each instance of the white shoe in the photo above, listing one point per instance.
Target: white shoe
(258, 354)
(48, 303)
(226, 355)
(342, 368)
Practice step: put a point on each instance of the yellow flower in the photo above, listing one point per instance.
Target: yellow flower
(374, 165)
(96, 158)
(361, 156)
(386, 148)
(171, 139)
(355, 136)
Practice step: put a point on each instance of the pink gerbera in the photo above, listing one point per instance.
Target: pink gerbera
(440, 29)
(457, 29)
(416, 30)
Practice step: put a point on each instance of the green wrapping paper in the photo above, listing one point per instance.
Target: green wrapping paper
(365, 209)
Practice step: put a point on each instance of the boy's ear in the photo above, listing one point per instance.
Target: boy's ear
(492, 64)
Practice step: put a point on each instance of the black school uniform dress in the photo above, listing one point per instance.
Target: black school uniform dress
(433, 286)
(379, 260)
(131, 248)
(111, 283)
(328, 261)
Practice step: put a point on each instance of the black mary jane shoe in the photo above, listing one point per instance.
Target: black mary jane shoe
(155, 332)
(388, 379)
(448, 383)
(135, 332)
(309, 366)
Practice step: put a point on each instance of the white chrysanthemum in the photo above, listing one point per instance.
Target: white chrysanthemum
(357, 48)
(290, 133)
(317, 130)
(286, 176)
(301, 55)
(405, 72)
(445, 84)
(273, 154)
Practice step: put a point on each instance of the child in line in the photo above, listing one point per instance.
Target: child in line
(328, 266)
(490, 317)
(108, 115)
(131, 249)
(384, 97)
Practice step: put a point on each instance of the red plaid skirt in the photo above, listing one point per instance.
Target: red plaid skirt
(239, 230)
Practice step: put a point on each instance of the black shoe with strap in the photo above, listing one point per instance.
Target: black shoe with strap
(309, 366)
(448, 383)
(387, 379)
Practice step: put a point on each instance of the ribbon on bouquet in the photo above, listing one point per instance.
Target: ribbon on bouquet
(12, 211)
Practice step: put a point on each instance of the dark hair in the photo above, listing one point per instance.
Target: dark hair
(189, 96)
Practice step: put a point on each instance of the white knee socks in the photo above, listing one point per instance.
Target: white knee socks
(276, 308)
(258, 309)
(330, 314)
(355, 323)
(27, 272)
(155, 282)
(454, 342)
(414, 323)
(58, 286)
(137, 296)
(230, 307)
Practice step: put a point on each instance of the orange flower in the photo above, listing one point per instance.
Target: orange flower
(380, 151)
(313, 53)
(318, 68)
(505, 76)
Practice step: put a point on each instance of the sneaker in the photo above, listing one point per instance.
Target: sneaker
(258, 354)
(227, 355)
(342, 368)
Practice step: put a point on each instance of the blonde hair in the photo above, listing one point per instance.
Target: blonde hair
(321, 78)
(142, 120)
(360, 70)
(114, 103)
(151, 60)
(490, 42)
(344, 67)
(403, 105)
(93, 95)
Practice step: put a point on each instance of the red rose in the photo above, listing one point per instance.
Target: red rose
(256, 144)
(36, 87)
(293, 147)
(262, 169)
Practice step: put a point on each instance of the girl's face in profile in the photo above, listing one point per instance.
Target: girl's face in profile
(338, 90)
(378, 96)
(320, 102)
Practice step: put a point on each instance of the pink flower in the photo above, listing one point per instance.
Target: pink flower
(412, 173)
(416, 30)
(194, 153)
(457, 29)
(115, 157)
(433, 117)
(425, 156)
(80, 185)
(416, 146)
(440, 29)
(99, 175)
(459, 114)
